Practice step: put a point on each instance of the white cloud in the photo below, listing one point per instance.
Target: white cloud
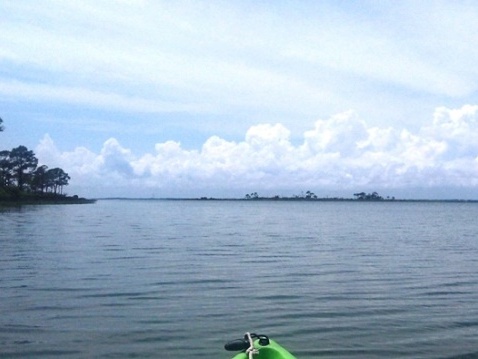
(83, 96)
(82, 161)
(116, 159)
(217, 57)
(342, 152)
(458, 128)
(341, 134)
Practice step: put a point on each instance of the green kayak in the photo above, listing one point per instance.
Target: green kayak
(262, 348)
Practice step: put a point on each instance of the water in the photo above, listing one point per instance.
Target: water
(177, 279)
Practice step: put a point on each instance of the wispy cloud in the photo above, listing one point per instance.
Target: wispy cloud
(221, 56)
(86, 97)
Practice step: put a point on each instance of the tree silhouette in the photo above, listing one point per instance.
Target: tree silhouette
(56, 179)
(23, 163)
(360, 195)
(5, 169)
(310, 195)
(19, 175)
(252, 195)
(374, 196)
(18, 168)
(39, 181)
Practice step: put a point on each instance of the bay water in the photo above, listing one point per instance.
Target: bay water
(178, 279)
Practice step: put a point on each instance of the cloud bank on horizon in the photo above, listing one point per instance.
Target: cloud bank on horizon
(271, 96)
(341, 152)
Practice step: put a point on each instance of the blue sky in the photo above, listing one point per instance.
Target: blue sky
(222, 98)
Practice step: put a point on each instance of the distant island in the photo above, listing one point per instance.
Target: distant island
(22, 181)
(310, 196)
(307, 196)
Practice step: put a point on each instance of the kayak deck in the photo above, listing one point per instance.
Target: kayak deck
(271, 351)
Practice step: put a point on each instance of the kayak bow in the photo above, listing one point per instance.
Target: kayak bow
(258, 347)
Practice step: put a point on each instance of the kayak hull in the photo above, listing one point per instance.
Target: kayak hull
(271, 351)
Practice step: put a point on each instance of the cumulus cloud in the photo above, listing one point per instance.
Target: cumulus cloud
(341, 152)
(457, 128)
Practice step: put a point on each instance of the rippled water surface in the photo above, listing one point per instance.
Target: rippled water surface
(177, 279)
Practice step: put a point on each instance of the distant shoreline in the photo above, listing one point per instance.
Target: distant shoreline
(41, 200)
(287, 199)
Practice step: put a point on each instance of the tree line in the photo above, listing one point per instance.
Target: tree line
(309, 195)
(20, 173)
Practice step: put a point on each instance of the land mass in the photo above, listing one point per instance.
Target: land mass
(358, 197)
(22, 181)
(15, 198)
(305, 197)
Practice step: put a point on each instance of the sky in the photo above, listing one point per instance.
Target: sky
(139, 98)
